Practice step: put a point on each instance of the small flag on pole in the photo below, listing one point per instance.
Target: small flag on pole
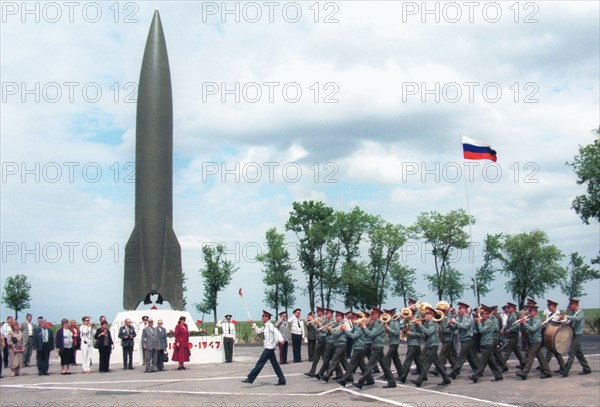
(240, 292)
(477, 150)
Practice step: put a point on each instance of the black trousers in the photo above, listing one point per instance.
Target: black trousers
(319, 352)
(377, 358)
(267, 354)
(577, 352)
(43, 360)
(498, 358)
(392, 357)
(228, 348)
(283, 352)
(368, 347)
(413, 354)
(466, 353)
(430, 356)
(5, 352)
(535, 351)
(356, 361)
(312, 344)
(297, 347)
(486, 359)
(160, 361)
(513, 346)
(339, 358)
(448, 352)
(127, 357)
(104, 358)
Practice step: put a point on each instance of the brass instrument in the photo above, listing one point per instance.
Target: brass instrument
(405, 313)
(524, 319)
(315, 321)
(423, 307)
(412, 321)
(385, 317)
(439, 315)
(326, 326)
(337, 328)
(443, 305)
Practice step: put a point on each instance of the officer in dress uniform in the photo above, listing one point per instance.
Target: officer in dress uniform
(430, 330)
(284, 329)
(298, 334)
(464, 325)
(497, 355)
(272, 338)
(488, 328)
(577, 320)
(377, 333)
(228, 328)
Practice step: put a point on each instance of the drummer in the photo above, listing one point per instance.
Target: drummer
(577, 321)
(552, 316)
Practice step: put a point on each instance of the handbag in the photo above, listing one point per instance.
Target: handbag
(165, 357)
(96, 344)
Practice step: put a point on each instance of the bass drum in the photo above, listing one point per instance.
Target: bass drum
(558, 338)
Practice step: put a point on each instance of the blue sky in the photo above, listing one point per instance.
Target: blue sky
(367, 99)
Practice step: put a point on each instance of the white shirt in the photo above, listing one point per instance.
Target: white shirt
(297, 325)
(272, 335)
(228, 328)
(6, 328)
(87, 334)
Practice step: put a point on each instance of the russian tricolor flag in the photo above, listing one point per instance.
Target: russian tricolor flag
(477, 150)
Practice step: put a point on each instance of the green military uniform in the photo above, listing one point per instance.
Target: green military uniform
(413, 352)
(311, 338)
(339, 354)
(533, 327)
(320, 348)
(357, 359)
(464, 325)
(330, 341)
(447, 350)
(430, 330)
(513, 339)
(496, 354)
(488, 328)
(377, 333)
(395, 327)
(577, 320)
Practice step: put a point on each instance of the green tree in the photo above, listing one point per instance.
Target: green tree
(444, 233)
(311, 222)
(217, 275)
(578, 273)
(454, 286)
(587, 167)
(531, 264)
(17, 293)
(486, 274)
(386, 239)
(403, 281)
(277, 272)
(330, 281)
(349, 227)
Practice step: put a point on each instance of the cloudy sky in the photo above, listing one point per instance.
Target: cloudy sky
(355, 103)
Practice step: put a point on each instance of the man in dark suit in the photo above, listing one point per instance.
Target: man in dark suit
(126, 334)
(150, 345)
(44, 343)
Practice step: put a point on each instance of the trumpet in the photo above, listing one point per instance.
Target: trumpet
(524, 319)
(326, 326)
(337, 328)
(385, 317)
(316, 321)
(405, 313)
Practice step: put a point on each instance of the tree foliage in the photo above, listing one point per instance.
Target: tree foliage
(17, 293)
(486, 274)
(277, 272)
(578, 273)
(587, 167)
(311, 222)
(444, 233)
(531, 264)
(403, 280)
(217, 275)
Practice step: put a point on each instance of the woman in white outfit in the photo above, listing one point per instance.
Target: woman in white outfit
(87, 344)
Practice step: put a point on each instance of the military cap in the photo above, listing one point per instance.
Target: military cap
(462, 305)
(339, 313)
(413, 300)
(390, 311)
(550, 302)
(376, 311)
(267, 314)
(320, 309)
(228, 316)
(531, 301)
(511, 305)
(282, 312)
(296, 310)
(574, 301)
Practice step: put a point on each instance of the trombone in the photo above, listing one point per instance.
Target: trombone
(326, 326)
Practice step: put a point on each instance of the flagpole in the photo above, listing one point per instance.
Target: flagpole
(470, 230)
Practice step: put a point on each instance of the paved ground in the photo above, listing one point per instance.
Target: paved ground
(219, 385)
